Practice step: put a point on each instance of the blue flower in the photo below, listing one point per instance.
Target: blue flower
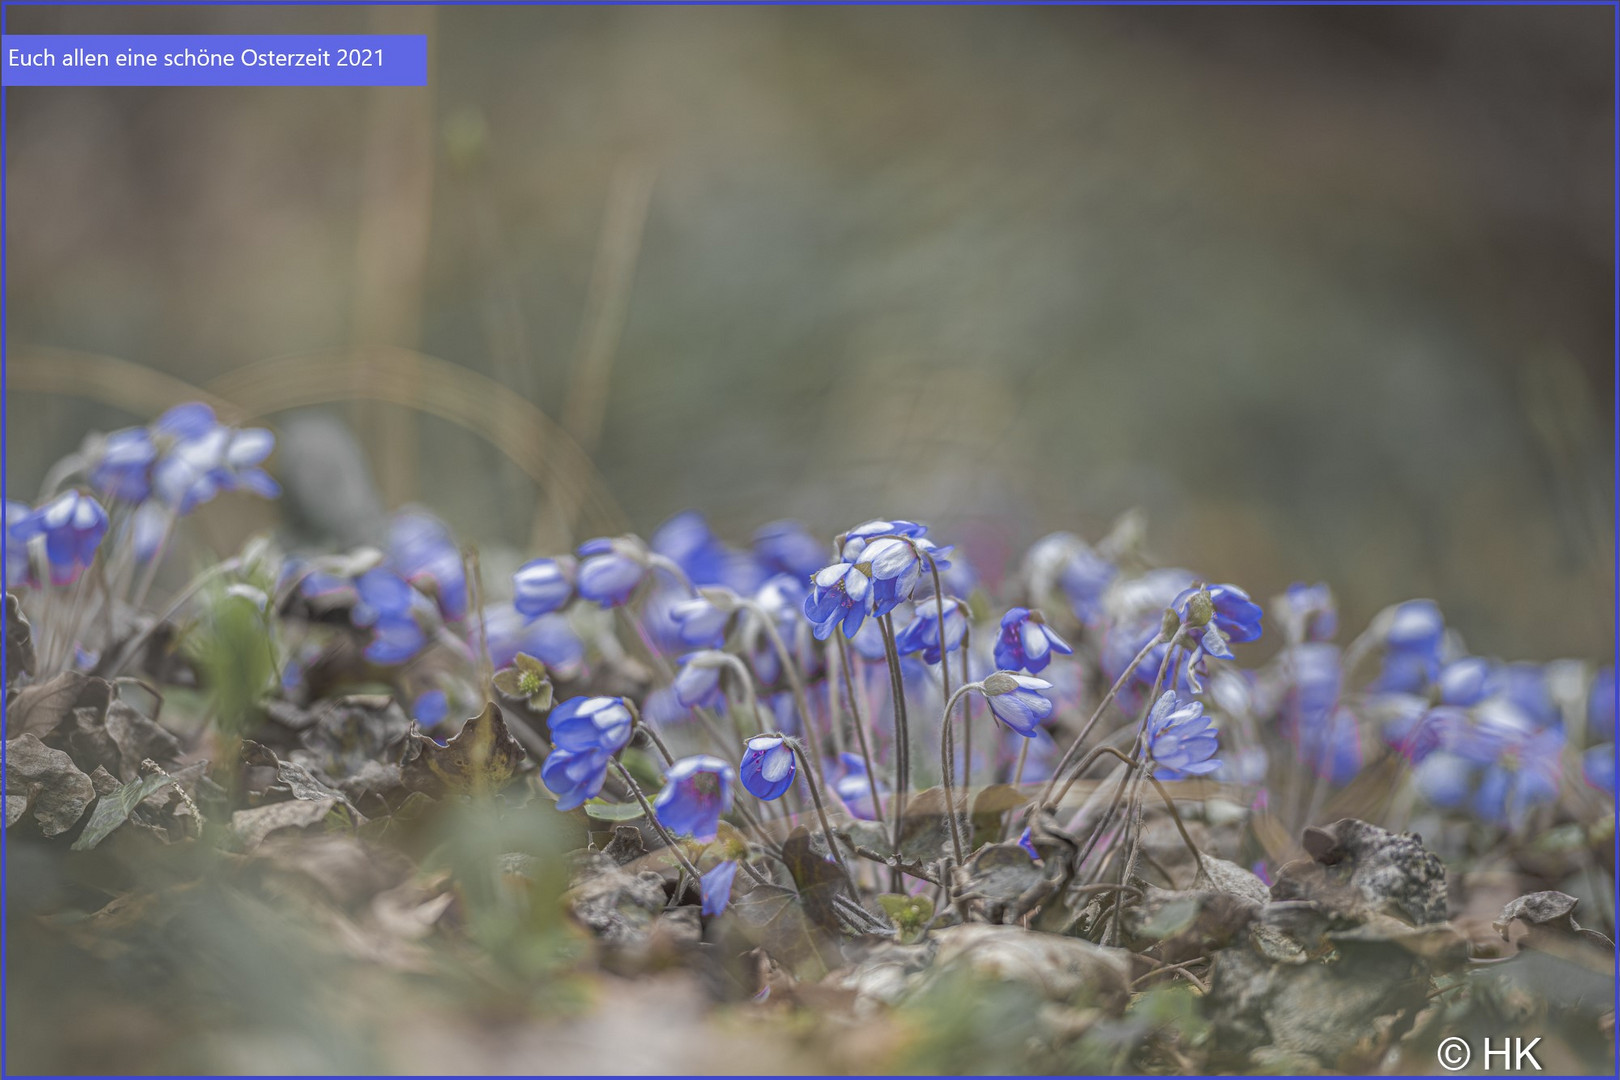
(701, 623)
(583, 724)
(697, 684)
(854, 788)
(1597, 766)
(697, 790)
(1524, 776)
(1325, 734)
(1236, 619)
(1084, 578)
(1525, 685)
(1025, 842)
(1180, 738)
(781, 599)
(124, 469)
(18, 571)
(424, 552)
(855, 541)
(1413, 635)
(541, 586)
(895, 564)
(1026, 642)
(1599, 700)
(1308, 613)
(716, 887)
(73, 525)
(768, 765)
(548, 639)
(430, 708)
(1016, 701)
(922, 634)
(1465, 681)
(394, 612)
(574, 777)
(191, 420)
(609, 571)
(786, 547)
(840, 594)
(198, 467)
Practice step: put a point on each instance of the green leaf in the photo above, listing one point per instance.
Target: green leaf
(602, 810)
(114, 808)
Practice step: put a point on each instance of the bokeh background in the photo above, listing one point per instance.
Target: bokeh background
(1327, 293)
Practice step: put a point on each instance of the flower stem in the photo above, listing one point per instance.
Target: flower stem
(860, 724)
(948, 768)
(902, 732)
(652, 819)
(821, 810)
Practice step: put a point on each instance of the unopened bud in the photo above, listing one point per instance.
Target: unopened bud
(1200, 608)
(1000, 683)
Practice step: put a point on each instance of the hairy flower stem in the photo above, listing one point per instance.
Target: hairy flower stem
(835, 717)
(860, 723)
(474, 573)
(814, 776)
(1074, 747)
(795, 680)
(967, 710)
(902, 731)
(651, 815)
(947, 768)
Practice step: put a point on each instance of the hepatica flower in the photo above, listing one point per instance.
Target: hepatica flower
(697, 684)
(1412, 640)
(856, 540)
(700, 622)
(716, 887)
(923, 633)
(840, 596)
(549, 639)
(1308, 613)
(767, 768)
(575, 777)
(854, 788)
(1180, 738)
(591, 724)
(697, 790)
(72, 525)
(1232, 618)
(1026, 642)
(610, 569)
(786, 547)
(424, 552)
(123, 469)
(542, 586)
(1016, 701)
(18, 571)
(394, 612)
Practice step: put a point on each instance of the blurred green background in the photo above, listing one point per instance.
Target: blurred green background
(1327, 292)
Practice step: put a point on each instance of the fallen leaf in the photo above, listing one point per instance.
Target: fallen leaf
(114, 808)
(49, 783)
(254, 825)
(40, 707)
(480, 758)
(19, 641)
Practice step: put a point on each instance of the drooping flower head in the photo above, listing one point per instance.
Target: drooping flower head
(715, 886)
(855, 541)
(396, 614)
(840, 596)
(610, 568)
(697, 790)
(424, 552)
(124, 468)
(786, 547)
(1413, 633)
(541, 586)
(73, 526)
(700, 621)
(923, 635)
(1465, 682)
(1016, 701)
(1026, 642)
(1180, 738)
(549, 639)
(697, 684)
(583, 724)
(854, 788)
(575, 777)
(1308, 613)
(895, 564)
(1228, 617)
(768, 766)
